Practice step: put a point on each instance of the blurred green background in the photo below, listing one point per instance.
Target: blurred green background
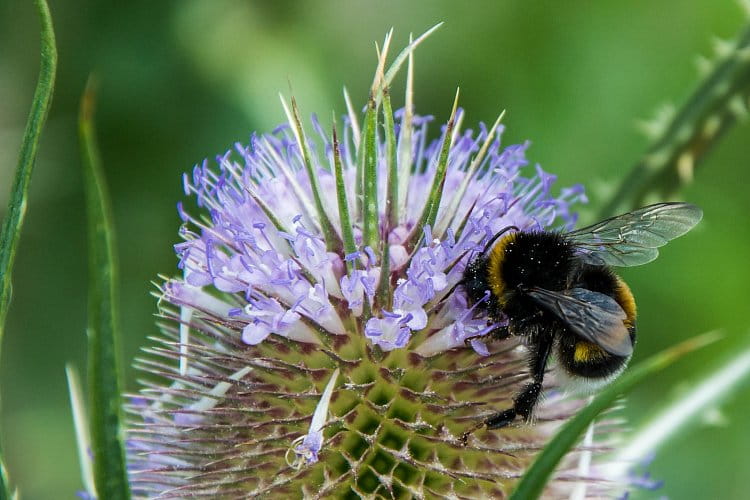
(182, 80)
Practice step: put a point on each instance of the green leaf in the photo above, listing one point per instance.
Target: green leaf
(391, 200)
(534, 480)
(343, 203)
(370, 178)
(683, 411)
(391, 203)
(110, 476)
(13, 223)
(11, 231)
(431, 206)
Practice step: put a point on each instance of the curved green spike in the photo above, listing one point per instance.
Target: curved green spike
(110, 474)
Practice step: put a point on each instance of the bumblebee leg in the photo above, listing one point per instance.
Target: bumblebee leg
(525, 401)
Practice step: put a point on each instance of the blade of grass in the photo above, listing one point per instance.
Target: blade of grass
(11, 231)
(110, 476)
(683, 411)
(533, 481)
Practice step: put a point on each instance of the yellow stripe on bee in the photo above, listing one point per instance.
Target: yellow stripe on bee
(625, 298)
(495, 267)
(586, 352)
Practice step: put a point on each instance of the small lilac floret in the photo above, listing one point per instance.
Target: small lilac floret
(309, 448)
(389, 332)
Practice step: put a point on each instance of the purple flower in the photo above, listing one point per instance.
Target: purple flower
(316, 340)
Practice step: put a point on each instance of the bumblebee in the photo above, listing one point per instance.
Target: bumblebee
(558, 292)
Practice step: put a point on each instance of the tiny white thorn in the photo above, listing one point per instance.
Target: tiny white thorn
(712, 125)
(353, 119)
(738, 107)
(723, 48)
(743, 54)
(745, 6)
(714, 417)
(704, 65)
(656, 126)
(685, 167)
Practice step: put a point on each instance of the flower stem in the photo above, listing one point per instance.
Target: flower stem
(11, 230)
(715, 106)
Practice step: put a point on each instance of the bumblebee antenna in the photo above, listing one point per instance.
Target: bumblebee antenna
(496, 236)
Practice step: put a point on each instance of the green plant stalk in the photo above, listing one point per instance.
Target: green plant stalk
(670, 162)
(343, 203)
(370, 178)
(391, 201)
(13, 223)
(11, 231)
(533, 481)
(110, 474)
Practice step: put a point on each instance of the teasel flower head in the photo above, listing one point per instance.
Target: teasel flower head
(316, 343)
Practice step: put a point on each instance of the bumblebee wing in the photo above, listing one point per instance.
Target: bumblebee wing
(632, 239)
(594, 316)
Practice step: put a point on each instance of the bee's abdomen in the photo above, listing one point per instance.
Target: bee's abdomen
(586, 359)
(603, 280)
